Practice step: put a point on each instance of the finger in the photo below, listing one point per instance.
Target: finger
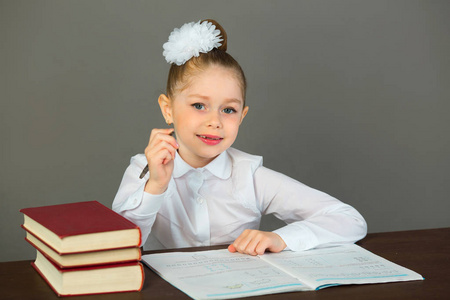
(262, 246)
(231, 248)
(271, 242)
(255, 238)
(156, 131)
(161, 167)
(163, 137)
(238, 241)
(158, 134)
(241, 243)
(169, 147)
(251, 246)
(167, 158)
(160, 144)
(161, 152)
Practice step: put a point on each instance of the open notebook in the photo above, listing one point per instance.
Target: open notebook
(219, 274)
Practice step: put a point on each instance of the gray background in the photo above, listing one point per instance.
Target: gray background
(349, 97)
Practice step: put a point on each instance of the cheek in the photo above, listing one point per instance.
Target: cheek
(186, 125)
(232, 124)
(181, 116)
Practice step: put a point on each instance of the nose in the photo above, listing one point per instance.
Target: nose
(214, 120)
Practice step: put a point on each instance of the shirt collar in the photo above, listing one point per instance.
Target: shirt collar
(219, 167)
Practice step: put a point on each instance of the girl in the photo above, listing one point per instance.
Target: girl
(199, 191)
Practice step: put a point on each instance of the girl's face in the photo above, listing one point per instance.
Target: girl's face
(206, 115)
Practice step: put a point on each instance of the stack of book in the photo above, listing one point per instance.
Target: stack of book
(84, 248)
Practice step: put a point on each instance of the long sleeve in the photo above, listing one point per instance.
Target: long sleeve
(132, 202)
(314, 219)
(214, 204)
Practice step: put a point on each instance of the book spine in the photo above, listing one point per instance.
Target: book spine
(67, 252)
(86, 294)
(93, 265)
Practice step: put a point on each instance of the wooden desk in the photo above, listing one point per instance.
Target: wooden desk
(424, 251)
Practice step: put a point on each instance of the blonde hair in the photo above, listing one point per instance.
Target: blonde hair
(179, 76)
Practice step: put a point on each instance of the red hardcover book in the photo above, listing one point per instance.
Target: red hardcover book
(80, 227)
(85, 259)
(113, 278)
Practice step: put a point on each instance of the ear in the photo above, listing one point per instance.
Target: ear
(244, 113)
(166, 108)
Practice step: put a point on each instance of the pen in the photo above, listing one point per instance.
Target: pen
(145, 170)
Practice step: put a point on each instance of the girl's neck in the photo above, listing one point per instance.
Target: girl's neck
(195, 161)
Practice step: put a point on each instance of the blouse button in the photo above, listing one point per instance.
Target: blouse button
(200, 200)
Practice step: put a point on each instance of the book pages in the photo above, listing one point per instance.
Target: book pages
(219, 274)
(346, 264)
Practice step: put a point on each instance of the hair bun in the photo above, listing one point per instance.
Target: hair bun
(223, 33)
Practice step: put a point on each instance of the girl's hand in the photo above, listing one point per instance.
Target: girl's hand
(160, 154)
(256, 242)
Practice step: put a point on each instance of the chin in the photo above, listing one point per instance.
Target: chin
(211, 153)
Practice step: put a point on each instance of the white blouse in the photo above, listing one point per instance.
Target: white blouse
(213, 205)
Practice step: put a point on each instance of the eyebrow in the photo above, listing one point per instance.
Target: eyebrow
(239, 101)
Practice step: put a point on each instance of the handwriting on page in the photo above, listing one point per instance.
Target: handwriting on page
(227, 275)
(219, 274)
(328, 266)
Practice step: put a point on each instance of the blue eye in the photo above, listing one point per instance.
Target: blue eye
(229, 110)
(198, 106)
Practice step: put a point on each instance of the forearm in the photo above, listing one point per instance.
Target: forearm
(132, 202)
(314, 218)
(341, 224)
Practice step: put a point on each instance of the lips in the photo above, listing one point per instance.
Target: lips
(210, 139)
